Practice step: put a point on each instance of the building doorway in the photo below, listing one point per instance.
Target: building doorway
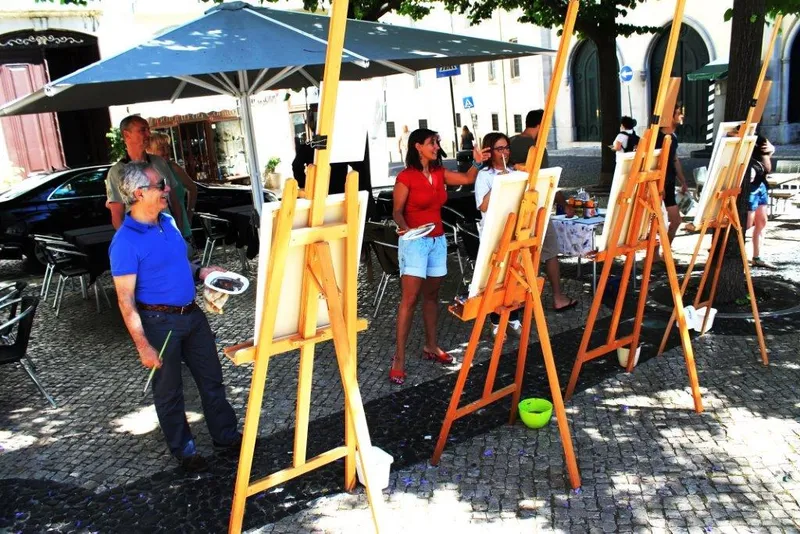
(794, 81)
(28, 60)
(586, 92)
(690, 55)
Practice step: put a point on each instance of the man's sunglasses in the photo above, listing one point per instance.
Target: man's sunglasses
(160, 185)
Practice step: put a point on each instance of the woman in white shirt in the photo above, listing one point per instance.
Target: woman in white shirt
(626, 139)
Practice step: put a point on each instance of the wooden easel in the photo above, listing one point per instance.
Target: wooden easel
(727, 215)
(641, 199)
(520, 250)
(318, 281)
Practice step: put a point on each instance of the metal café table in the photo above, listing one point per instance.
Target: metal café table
(242, 230)
(94, 242)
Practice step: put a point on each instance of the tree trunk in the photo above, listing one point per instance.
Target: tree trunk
(747, 32)
(610, 111)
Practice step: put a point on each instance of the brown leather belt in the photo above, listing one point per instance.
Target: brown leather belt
(165, 308)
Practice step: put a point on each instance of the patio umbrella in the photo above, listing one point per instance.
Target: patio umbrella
(237, 49)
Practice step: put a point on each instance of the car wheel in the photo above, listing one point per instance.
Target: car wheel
(35, 259)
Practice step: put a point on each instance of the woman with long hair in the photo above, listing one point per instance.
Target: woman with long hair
(419, 194)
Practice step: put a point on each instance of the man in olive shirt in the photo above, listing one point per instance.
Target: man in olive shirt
(520, 145)
(136, 135)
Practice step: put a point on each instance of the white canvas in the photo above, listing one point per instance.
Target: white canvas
(722, 133)
(288, 318)
(621, 172)
(708, 207)
(507, 192)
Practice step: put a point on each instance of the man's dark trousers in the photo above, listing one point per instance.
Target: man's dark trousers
(193, 343)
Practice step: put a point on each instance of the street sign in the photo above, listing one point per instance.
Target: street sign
(625, 74)
(445, 72)
(468, 102)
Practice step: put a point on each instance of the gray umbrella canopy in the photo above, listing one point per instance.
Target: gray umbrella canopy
(237, 50)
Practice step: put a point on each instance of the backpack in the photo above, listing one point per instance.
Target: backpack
(633, 141)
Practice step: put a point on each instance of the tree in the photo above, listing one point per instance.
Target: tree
(600, 21)
(748, 18)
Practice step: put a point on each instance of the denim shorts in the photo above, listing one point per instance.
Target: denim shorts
(423, 257)
(758, 198)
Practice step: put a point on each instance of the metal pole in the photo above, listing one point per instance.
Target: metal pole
(251, 152)
(453, 108)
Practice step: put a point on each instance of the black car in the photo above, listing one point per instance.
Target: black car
(76, 198)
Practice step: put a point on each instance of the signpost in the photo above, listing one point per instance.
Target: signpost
(625, 76)
(449, 72)
(468, 102)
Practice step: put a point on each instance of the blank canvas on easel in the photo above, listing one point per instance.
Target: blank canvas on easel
(614, 211)
(289, 316)
(507, 192)
(709, 205)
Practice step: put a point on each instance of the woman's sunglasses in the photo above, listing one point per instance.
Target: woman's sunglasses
(160, 185)
(501, 148)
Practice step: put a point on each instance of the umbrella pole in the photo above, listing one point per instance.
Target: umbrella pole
(250, 151)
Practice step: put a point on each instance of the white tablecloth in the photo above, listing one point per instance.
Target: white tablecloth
(576, 235)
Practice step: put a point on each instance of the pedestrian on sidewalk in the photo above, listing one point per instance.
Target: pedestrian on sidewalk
(674, 170)
(155, 286)
(626, 140)
(519, 146)
(419, 194)
(758, 194)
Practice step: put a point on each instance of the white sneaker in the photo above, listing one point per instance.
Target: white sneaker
(516, 325)
(495, 327)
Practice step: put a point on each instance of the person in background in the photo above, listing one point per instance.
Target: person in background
(498, 145)
(185, 188)
(519, 147)
(674, 170)
(155, 286)
(402, 143)
(419, 194)
(136, 135)
(758, 193)
(626, 140)
(467, 139)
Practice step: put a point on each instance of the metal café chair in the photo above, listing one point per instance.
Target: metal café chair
(17, 352)
(41, 242)
(216, 228)
(469, 241)
(390, 265)
(71, 271)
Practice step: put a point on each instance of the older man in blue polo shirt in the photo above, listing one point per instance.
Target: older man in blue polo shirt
(156, 291)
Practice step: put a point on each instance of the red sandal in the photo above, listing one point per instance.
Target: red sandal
(396, 377)
(441, 357)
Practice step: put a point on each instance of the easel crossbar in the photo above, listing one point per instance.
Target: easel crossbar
(279, 477)
(485, 401)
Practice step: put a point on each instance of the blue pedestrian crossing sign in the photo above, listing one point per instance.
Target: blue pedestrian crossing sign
(468, 102)
(625, 74)
(445, 72)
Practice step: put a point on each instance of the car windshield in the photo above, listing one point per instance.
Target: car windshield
(24, 186)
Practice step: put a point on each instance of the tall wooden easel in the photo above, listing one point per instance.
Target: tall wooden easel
(722, 213)
(520, 251)
(638, 213)
(318, 281)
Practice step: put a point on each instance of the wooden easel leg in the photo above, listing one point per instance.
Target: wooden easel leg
(590, 321)
(345, 358)
(753, 305)
(688, 353)
(502, 328)
(455, 398)
(637, 322)
(522, 355)
(686, 278)
(714, 279)
(552, 376)
(630, 258)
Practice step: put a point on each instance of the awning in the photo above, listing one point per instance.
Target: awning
(710, 72)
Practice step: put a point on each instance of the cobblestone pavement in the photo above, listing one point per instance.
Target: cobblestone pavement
(647, 461)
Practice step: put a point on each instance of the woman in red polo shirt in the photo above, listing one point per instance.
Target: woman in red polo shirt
(419, 194)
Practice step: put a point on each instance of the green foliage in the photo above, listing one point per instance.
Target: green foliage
(272, 164)
(116, 150)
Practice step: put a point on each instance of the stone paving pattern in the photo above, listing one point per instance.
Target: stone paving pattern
(647, 461)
